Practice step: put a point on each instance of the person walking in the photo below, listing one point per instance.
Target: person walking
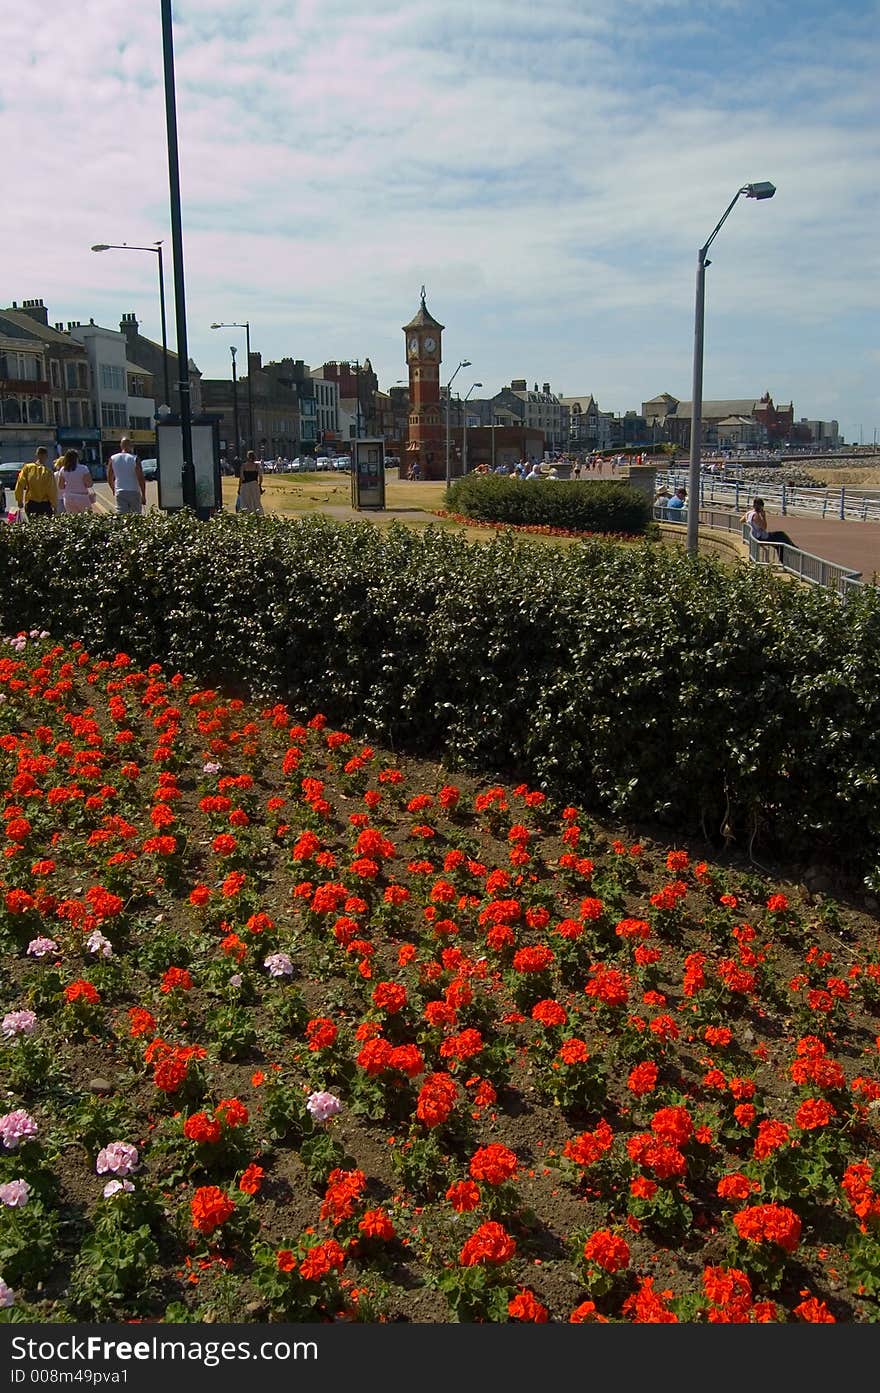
(250, 485)
(35, 488)
(126, 479)
(75, 485)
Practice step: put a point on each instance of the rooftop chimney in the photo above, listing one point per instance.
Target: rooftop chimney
(35, 309)
(546, 388)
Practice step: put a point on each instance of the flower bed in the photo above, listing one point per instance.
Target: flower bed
(536, 529)
(291, 1031)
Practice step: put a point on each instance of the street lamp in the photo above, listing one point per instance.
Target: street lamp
(758, 191)
(188, 469)
(235, 324)
(464, 430)
(233, 350)
(157, 248)
(465, 363)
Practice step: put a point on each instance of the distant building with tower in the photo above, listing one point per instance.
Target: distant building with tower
(425, 438)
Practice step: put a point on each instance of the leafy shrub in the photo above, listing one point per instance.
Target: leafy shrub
(634, 680)
(602, 506)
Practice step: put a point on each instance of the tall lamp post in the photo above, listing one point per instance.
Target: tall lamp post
(245, 324)
(235, 429)
(188, 471)
(464, 429)
(157, 248)
(759, 191)
(465, 363)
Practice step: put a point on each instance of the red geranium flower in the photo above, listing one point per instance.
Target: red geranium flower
(210, 1208)
(607, 1250)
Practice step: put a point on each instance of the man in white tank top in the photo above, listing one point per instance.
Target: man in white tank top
(126, 478)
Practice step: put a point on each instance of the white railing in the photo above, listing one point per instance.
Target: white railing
(781, 498)
(813, 570)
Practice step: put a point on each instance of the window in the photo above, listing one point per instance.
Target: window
(56, 411)
(83, 371)
(70, 376)
(55, 372)
(73, 414)
(140, 423)
(113, 414)
(21, 367)
(11, 411)
(35, 411)
(112, 378)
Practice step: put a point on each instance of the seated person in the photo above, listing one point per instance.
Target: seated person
(756, 518)
(677, 505)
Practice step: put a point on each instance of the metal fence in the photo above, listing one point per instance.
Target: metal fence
(781, 498)
(814, 570)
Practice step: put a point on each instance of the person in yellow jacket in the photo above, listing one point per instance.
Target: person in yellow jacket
(36, 489)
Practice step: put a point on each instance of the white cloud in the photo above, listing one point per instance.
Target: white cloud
(548, 171)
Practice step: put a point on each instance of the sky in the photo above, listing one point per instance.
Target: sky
(548, 171)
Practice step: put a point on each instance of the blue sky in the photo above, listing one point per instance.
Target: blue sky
(548, 171)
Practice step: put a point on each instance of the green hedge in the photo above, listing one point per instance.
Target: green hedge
(603, 506)
(633, 679)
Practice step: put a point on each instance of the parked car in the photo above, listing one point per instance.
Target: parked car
(323, 463)
(343, 463)
(150, 468)
(9, 473)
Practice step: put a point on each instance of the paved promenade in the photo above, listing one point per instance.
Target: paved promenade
(853, 544)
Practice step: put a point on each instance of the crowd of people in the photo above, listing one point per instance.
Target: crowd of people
(66, 486)
(579, 467)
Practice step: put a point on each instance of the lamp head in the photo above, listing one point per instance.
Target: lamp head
(217, 326)
(477, 384)
(101, 247)
(765, 190)
(465, 363)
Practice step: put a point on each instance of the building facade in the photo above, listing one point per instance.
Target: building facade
(326, 411)
(773, 425)
(583, 422)
(357, 385)
(108, 367)
(45, 387)
(147, 354)
(538, 410)
(824, 434)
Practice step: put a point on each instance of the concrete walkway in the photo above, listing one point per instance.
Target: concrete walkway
(853, 544)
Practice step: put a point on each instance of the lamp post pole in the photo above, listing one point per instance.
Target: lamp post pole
(759, 191)
(243, 324)
(465, 363)
(125, 247)
(464, 430)
(235, 408)
(188, 473)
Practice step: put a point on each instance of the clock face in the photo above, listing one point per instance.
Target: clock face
(430, 345)
(413, 347)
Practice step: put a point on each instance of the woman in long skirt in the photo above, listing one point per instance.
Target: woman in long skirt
(250, 485)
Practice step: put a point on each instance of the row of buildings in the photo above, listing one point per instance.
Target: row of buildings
(84, 385)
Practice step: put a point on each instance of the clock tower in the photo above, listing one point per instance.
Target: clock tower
(425, 434)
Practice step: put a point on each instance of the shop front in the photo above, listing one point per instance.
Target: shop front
(85, 439)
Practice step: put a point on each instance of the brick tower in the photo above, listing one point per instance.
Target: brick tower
(425, 435)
